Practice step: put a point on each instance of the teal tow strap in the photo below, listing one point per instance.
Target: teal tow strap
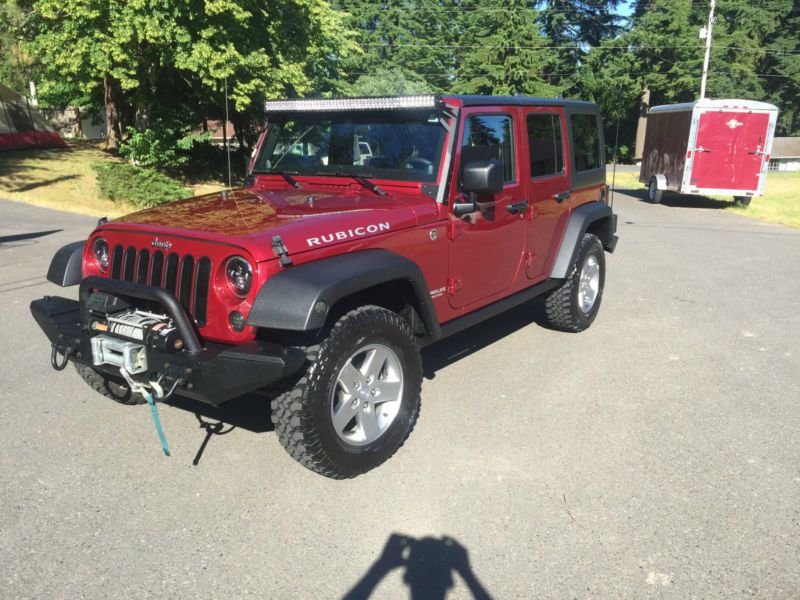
(149, 397)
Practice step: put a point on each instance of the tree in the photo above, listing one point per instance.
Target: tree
(164, 63)
(505, 52)
(574, 27)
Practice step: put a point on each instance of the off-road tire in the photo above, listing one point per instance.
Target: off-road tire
(561, 305)
(743, 201)
(109, 387)
(654, 195)
(302, 415)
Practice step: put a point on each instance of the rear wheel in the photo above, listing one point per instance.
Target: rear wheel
(359, 399)
(654, 195)
(115, 389)
(573, 306)
(742, 200)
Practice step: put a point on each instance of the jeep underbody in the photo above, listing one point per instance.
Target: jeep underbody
(367, 228)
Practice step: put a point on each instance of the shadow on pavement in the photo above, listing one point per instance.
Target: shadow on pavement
(252, 411)
(429, 563)
(18, 237)
(675, 200)
(478, 337)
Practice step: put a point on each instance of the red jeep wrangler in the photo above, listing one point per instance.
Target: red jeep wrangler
(367, 228)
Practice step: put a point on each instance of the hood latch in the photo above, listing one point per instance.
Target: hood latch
(279, 248)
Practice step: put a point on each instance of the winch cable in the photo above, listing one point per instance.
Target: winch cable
(144, 390)
(162, 438)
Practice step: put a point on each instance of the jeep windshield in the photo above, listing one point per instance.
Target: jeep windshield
(400, 145)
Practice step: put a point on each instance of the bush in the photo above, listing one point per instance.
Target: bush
(159, 147)
(138, 186)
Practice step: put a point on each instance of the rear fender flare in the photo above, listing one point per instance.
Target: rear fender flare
(300, 298)
(65, 267)
(579, 222)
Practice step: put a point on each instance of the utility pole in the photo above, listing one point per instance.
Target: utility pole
(708, 48)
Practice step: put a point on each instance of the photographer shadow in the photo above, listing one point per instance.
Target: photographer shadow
(430, 565)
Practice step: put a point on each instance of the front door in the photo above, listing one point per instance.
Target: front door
(486, 245)
(729, 151)
(548, 186)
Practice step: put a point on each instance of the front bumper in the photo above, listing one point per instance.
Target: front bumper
(213, 373)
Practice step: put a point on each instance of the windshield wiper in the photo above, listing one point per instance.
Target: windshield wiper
(287, 175)
(362, 179)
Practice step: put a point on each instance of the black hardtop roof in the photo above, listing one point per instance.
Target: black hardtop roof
(474, 100)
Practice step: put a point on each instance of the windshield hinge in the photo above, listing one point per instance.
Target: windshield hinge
(279, 248)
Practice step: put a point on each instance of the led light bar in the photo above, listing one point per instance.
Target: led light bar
(339, 104)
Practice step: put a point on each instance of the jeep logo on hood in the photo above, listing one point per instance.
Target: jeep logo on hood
(157, 243)
(348, 234)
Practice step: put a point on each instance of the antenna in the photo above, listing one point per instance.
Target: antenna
(225, 133)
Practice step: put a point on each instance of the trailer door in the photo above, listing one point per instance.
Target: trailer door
(729, 150)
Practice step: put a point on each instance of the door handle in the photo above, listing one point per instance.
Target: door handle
(701, 149)
(562, 196)
(517, 207)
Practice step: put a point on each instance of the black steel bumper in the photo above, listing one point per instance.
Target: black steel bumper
(210, 372)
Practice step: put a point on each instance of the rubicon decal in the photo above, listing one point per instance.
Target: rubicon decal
(347, 234)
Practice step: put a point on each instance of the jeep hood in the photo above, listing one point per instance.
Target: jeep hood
(305, 219)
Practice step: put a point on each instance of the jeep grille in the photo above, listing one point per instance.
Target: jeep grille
(188, 279)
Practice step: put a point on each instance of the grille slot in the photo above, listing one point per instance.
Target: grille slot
(189, 279)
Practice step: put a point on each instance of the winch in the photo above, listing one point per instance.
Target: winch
(123, 338)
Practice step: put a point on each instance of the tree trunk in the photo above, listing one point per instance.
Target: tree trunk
(112, 93)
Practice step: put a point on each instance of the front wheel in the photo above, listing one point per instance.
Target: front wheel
(359, 399)
(573, 306)
(742, 200)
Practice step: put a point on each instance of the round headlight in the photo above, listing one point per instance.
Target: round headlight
(240, 275)
(101, 253)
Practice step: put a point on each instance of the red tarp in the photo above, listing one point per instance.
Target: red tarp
(22, 126)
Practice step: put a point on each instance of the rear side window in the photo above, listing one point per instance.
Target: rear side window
(546, 145)
(490, 137)
(586, 143)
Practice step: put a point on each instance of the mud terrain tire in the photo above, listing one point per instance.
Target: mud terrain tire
(304, 416)
(563, 306)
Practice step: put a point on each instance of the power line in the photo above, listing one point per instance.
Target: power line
(573, 47)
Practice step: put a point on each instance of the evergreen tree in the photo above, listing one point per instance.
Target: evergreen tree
(504, 52)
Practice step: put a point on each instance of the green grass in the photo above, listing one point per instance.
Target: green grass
(64, 179)
(779, 204)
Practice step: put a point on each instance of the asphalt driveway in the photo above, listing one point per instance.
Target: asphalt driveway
(655, 455)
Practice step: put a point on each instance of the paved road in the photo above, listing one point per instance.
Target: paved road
(655, 455)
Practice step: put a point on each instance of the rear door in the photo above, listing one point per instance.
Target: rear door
(486, 245)
(729, 150)
(547, 184)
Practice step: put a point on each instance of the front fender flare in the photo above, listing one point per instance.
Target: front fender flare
(65, 268)
(300, 298)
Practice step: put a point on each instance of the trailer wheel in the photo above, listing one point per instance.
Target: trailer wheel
(654, 194)
(742, 200)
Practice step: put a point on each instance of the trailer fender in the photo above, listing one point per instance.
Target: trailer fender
(596, 215)
(661, 182)
(300, 298)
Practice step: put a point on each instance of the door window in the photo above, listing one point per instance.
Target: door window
(490, 137)
(586, 143)
(546, 145)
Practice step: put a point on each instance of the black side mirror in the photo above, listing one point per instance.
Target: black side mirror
(479, 177)
(482, 177)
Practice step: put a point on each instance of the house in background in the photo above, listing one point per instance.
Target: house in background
(785, 154)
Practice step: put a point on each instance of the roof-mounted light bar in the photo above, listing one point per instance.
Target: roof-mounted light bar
(341, 104)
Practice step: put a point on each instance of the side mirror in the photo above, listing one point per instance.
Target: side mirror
(482, 177)
(478, 177)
